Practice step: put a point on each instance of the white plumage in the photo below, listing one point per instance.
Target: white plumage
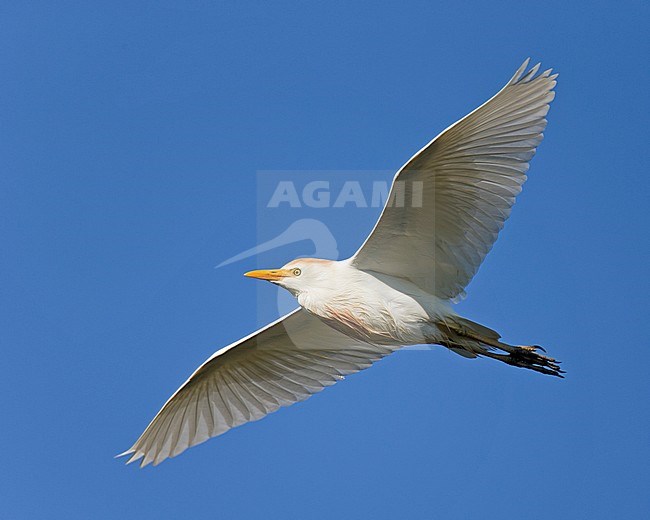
(396, 290)
(471, 174)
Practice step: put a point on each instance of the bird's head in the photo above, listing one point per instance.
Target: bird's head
(298, 275)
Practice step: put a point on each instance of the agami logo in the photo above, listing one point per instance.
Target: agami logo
(318, 194)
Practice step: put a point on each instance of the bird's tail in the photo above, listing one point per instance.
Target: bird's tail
(470, 339)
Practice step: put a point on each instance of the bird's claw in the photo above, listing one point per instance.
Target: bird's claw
(528, 357)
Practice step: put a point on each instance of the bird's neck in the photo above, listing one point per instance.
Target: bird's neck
(333, 290)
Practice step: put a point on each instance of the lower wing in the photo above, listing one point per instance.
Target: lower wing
(281, 364)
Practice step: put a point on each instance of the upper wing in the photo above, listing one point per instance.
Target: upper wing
(468, 177)
(281, 364)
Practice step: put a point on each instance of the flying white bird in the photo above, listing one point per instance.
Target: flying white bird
(396, 290)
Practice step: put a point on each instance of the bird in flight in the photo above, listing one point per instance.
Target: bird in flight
(396, 290)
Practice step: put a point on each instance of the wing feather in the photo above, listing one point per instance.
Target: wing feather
(282, 364)
(471, 174)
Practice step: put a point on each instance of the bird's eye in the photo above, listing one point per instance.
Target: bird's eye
(296, 272)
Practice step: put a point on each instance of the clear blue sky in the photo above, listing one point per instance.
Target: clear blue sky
(131, 140)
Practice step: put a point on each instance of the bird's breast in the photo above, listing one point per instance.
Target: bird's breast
(384, 317)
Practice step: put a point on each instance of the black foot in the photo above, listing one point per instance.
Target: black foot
(528, 357)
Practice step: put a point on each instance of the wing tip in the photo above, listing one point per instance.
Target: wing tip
(526, 75)
(124, 453)
(135, 456)
(520, 72)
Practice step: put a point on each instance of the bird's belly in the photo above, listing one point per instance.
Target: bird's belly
(387, 322)
(379, 310)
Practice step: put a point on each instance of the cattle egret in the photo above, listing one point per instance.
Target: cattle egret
(396, 290)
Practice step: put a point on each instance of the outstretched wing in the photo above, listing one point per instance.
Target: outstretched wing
(467, 179)
(281, 364)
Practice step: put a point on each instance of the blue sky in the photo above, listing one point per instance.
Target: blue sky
(132, 138)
